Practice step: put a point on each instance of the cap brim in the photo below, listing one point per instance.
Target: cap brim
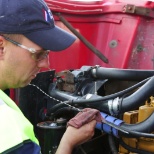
(55, 39)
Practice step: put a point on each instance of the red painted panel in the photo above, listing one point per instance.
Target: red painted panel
(112, 31)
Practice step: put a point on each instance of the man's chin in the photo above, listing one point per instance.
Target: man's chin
(24, 84)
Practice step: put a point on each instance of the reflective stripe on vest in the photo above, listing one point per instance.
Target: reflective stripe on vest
(14, 127)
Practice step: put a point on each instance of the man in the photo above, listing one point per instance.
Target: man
(27, 33)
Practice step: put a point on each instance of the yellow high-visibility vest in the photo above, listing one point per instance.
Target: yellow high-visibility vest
(15, 128)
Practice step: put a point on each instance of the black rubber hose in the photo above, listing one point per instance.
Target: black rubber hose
(133, 149)
(60, 106)
(118, 94)
(138, 130)
(138, 97)
(131, 102)
(63, 112)
(112, 144)
(121, 74)
(128, 103)
(146, 126)
(126, 131)
(56, 107)
(60, 95)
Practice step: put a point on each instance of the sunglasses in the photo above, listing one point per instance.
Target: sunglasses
(37, 55)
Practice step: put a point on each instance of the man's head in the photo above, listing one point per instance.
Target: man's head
(34, 20)
(27, 31)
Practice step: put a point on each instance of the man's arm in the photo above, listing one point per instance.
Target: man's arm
(73, 137)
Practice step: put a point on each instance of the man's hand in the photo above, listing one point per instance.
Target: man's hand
(80, 129)
(73, 137)
(78, 136)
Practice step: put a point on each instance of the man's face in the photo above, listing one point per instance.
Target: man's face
(19, 67)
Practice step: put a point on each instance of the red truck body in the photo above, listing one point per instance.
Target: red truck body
(122, 30)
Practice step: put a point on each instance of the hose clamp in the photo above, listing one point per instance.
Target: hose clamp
(94, 71)
(110, 102)
(114, 106)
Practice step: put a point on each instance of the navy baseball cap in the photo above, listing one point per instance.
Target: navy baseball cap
(34, 20)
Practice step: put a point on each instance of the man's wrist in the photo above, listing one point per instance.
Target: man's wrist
(65, 147)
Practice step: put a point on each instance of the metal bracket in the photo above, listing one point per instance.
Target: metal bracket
(129, 8)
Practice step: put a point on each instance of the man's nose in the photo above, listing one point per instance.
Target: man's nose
(44, 63)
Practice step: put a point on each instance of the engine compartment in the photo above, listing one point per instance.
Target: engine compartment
(125, 98)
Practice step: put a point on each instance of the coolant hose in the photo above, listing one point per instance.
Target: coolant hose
(101, 103)
(114, 106)
(55, 108)
(112, 145)
(146, 126)
(117, 127)
(131, 149)
(61, 112)
(60, 95)
(121, 74)
(138, 97)
(104, 98)
(117, 106)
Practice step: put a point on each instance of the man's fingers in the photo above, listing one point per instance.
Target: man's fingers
(92, 123)
(91, 126)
